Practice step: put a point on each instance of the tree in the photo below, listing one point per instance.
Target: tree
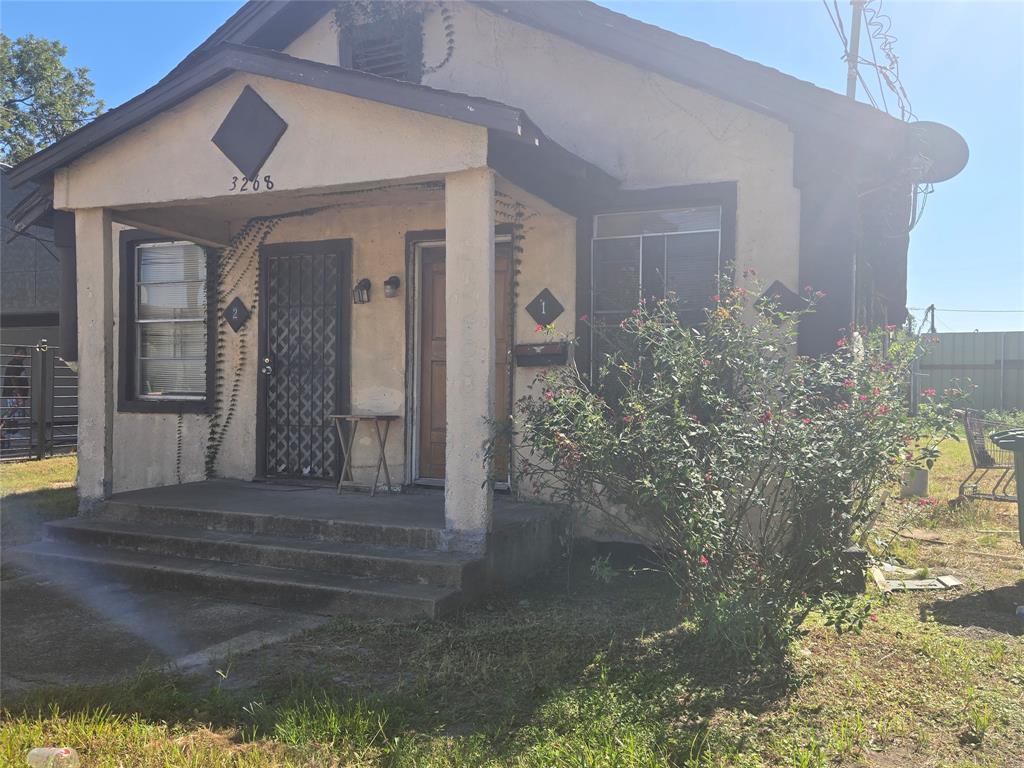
(41, 99)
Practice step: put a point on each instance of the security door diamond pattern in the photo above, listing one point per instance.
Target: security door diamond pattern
(303, 309)
(250, 132)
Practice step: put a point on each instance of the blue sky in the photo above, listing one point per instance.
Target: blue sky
(962, 63)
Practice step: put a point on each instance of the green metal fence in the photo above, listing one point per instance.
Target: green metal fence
(992, 361)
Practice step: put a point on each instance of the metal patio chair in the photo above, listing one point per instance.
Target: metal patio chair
(992, 477)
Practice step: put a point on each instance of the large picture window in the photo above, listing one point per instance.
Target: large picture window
(670, 254)
(165, 313)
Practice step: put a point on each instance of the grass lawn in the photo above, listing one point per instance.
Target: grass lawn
(603, 676)
(32, 492)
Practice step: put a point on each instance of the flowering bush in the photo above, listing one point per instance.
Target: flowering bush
(746, 468)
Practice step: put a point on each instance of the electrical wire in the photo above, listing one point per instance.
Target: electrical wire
(940, 309)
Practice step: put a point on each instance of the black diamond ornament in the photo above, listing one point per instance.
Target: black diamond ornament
(236, 314)
(545, 308)
(781, 298)
(249, 133)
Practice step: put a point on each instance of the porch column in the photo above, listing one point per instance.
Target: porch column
(95, 354)
(469, 327)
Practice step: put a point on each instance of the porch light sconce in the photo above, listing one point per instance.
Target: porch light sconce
(391, 286)
(361, 292)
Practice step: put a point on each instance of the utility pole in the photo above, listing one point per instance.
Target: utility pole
(853, 55)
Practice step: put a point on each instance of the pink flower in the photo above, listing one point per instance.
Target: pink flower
(876, 391)
(766, 416)
(808, 289)
(843, 406)
(840, 342)
(549, 395)
(703, 561)
(820, 294)
(705, 362)
(538, 328)
(716, 298)
(890, 327)
(627, 418)
(862, 398)
(883, 409)
(930, 392)
(873, 617)
(584, 317)
(805, 420)
(849, 383)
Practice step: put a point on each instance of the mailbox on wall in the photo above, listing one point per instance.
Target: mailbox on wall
(539, 355)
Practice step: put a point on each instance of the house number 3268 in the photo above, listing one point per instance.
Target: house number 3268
(245, 184)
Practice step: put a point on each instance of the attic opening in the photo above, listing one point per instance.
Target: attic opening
(389, 47)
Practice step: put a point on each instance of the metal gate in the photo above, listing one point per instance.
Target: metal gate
(38, 402)
(303, 357)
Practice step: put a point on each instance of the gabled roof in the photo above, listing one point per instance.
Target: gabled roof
(224, 58)
(276, 23)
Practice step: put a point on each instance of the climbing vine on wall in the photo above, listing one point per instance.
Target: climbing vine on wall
(238, 265)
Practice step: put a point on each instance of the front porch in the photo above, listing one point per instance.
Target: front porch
(297, 545)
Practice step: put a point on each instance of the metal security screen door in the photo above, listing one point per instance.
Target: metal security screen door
(303, 364)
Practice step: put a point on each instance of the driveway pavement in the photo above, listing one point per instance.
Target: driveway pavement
(55, 633)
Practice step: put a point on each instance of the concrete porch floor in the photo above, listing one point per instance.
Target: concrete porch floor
(418, 507)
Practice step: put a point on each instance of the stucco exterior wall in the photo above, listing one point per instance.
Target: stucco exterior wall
(642, 128)
(332, 140)
(145, 445)
(318, 43)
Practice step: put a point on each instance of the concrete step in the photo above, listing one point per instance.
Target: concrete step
(309, 590)
(290, 524)
(415, 566)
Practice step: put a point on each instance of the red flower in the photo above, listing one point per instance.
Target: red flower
(716, 298)
(840, 342)
(538, 328)
(766, 416)
(703, 561)
(890, 327)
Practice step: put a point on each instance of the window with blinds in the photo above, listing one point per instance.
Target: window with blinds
(170, 321)
(672, 254)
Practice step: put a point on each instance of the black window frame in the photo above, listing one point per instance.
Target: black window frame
(723, 195)
(128, 399)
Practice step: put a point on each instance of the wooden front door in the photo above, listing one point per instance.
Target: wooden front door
(432, 358)
(303, 365)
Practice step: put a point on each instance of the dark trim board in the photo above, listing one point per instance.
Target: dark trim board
(29, 319)
(343, 397)
(127, 399)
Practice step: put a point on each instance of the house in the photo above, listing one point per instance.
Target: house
(41, 417)
(370, 207)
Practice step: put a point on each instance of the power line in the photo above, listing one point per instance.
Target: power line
(940, 309)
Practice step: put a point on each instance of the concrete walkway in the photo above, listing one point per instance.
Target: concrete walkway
(58, 634)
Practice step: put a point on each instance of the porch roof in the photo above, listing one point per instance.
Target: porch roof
(517, 148)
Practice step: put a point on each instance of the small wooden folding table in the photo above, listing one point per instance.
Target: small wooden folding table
(347, 442)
